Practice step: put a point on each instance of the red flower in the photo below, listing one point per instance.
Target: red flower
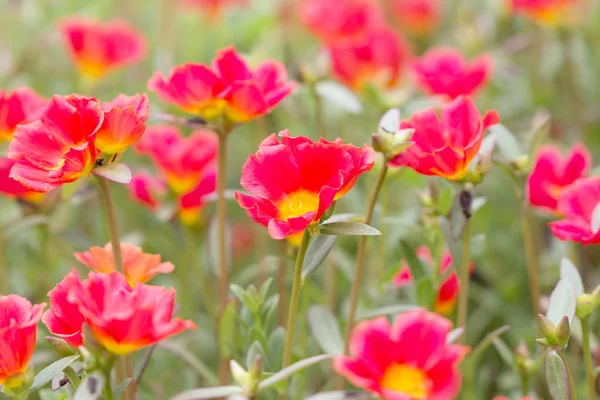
(124, 123)
(577, 203)
(192, 203)
(59, 147)
(334, 20)
(295, 181)
(99, 48)
(21, 105)
(212, 8)
(18, 324)
(445, 148)
(445, 72)
(552, 173)
(145, 188)
(121, 318)
(229, 88)
(139, 266)
(416, 17)
(407, 360)
(377, 58)
(548, 12)
(12, 188)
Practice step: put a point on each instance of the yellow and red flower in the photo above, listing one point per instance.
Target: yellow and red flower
(230, 88)
(98, 48)
(123, 319)
(549, 12)
(13, 189)
(377, 58)
(191, 204)
(445, 72)
(552, 173)
(416, 17)
(18, 333)
(293, 182)
(445, 147)
(212, 8)
(139, 266)
(410, 359)
(17, 107)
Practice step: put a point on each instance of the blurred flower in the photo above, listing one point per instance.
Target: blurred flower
(577, 203)
(139, 266)
(445, 148)
(228, 89)
(293, 182)
(192, 203)
(12, 188)
(212, 8)
(552, 173)
(407, 360)
(145, 188)
(448, 290)
(377, 58)
(59, 147)
(18, 325)
(549, 12)
(99, 48)
(16, 107)
(124, 123)
(506, 398)
(416, 17)
(334, 20)
(122, 318)
(445, 72)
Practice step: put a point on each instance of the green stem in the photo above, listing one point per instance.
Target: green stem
(563, 355)
(587, 358)
(108, 393)
(281, 280)
(294, 300)
(525, 384)
(360, 256)
(463, 296)
(73, 377)
(3, 268)
(531, 257)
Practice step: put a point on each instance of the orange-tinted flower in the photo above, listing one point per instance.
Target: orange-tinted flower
(334, 20)
(99, 48)
(21, 105)
(12, 188)
(18, 325)
(445, 147)
(122, 318)
(59, 147)
(192, 203)
(212, 8)
(139, 266)
(552, 173)
(147, 189)
(229, 88)
(416, 17)
(377, 58)
(445, 72)
(549, 12)
(124, 123)
(293, 182)
(408, 360)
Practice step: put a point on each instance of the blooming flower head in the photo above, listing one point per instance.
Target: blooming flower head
(192, 203)
(98, 48)
(416, 17)
(445, 72)
(377, 58)
(548, 12)
(123, 319)
(334, 20)
(293, 182)
(445, 147)
(147, 189)
(139, 266)
(410, 359)
(58, 147)
(21, 105)
(212, 8)
(13, 189)
(229, 88)
(18, 324)
(577, 203)
(552, 173)
(124, 123)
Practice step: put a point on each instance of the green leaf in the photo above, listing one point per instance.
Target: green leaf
(245, 297)
(318, 249)
(254, 351)
(227, 331)
(46, 375)
(116, 172)
(390, 310)
(444, 203)
(208, 393)
(263, 292)
(425, 293)
(23, 225)
(506, 142)
(348, 228)
(487, 340)
(325, 329)
(562, 302)
(292, 369)
(122, 386)
(569, 271)
(557, 378)
(91, 387)
(276, 344)
(185, 355)
(339, 95)
(454, 335)
(417, 268)
(504, 351)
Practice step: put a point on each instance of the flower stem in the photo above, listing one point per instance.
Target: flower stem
(531, 257)
(281, 280)
(294, 300)
(108, 393)
(360, 256)
(73, 377)
(463, 296)
(587, 358)
(3, 268)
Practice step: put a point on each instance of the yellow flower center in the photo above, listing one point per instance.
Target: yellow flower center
(407, 380)
(297, 204)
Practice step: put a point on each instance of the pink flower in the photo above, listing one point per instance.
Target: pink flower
(12, 188)
(407, 360)
(17, 107)
(552, 173)
(192, 203)
(416, 17)
(445, 72)
(147, 189)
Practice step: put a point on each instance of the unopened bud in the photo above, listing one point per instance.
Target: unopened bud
(585, 305)
(240, 375)
(547, 328)
(380, 143)
(60, 346)
(563, 332)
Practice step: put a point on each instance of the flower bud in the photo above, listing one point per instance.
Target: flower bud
(379, 142)
(240, 375)
(585, 305)
(563, 332)
(547, 329)
(60, 346)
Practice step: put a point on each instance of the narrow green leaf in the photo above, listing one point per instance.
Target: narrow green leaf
(208, 393)
(425, 293)
(122, 386)
(245, 297)
(325, 329)
(557, 378)
(505, 353)
(197, 366)
(292, 369)
(417, 268)
(227, 331)
(91, 387)
(348, 228)
(506, 142)
(339, 95)
(454, 335)
(487, 340)
(46, 375)
(318, 249)
(254, 351)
